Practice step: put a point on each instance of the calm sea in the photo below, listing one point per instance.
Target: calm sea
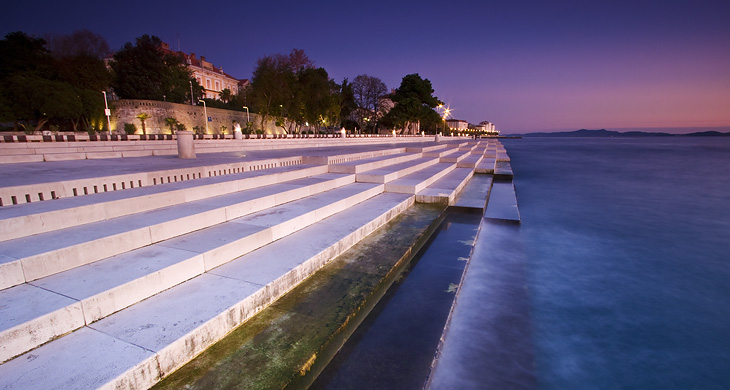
(628, 243)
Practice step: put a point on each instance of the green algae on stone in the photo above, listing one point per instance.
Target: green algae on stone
(287, 343)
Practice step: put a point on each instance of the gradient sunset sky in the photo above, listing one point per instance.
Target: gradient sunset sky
(524, 65)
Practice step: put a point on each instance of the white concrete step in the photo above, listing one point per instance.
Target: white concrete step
(427, 148)
(392, 172)
(135, 347)
(470, 161)
(45, 191)
(40, 217)
(445, 190)
(503, 169)
(330, 159)
(455, 156)
(441, 152)
(371, 163)
(52, 306)
(41, 255)
(475, 194)
(486, 165)
(417, 181)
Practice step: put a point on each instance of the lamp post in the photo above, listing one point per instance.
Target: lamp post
(205, 111)
(191, 94)
(247, 117)
(108, 113)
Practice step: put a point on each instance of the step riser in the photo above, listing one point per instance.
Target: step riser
(450, 196)
(148, 370)
(24, 226)
(49, 263)
(373, 178)
(470, 162)
(416, 188)
(175, 355)
(115, 299)
(357, 168)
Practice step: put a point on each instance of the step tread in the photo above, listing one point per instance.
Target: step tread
(392, 172)
(166, 330)
(99, 285)
(445, 189)
(140, 227)
(40, 217)
(419, 180)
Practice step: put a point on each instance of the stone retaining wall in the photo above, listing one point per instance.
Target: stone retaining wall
(126, 111)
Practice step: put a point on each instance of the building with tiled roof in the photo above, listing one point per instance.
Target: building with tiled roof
(212, 78)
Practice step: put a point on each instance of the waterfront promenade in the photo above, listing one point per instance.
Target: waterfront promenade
(115, 272)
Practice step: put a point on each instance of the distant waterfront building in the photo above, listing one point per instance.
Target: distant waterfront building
(488, 127)
(213, 79)
(457, 124)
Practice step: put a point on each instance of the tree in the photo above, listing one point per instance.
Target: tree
(347, 104)
(368, 93)
(414, 102)
(146, 71)
(171, 122)
(317, 100)
(225, 95)
(143, 117)
(39, 88)
(274, 90)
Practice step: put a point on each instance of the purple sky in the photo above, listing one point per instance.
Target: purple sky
(524, 65)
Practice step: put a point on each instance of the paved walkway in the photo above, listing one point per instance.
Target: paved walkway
(54, 171)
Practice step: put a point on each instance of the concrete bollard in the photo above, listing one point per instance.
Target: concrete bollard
(237, 132)
(185, 145)
(343, 132)
(438, 137)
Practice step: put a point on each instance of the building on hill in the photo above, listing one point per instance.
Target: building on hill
(212, 78)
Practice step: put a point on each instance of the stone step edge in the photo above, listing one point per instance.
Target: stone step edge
(162, 196)
(96, 307)
(381, 177)
(394, 186)
(436, 193)
(40, 265)
(150, 370)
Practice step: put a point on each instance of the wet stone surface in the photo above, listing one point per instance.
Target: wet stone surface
(288, 342)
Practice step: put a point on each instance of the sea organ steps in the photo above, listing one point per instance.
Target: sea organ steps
(176, 264)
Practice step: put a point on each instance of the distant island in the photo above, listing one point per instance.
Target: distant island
(611, 133)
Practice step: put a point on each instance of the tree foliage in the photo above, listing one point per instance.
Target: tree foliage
(414, 103)
(37, 88)
(368, 93)
(146, 71)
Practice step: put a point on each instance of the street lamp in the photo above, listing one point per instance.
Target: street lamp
(108, 113)
(247, 117)
(191, 94)
(205, 111)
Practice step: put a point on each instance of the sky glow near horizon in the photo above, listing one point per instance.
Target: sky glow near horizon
(523, 65)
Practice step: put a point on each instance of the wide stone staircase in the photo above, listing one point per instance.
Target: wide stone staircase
(118, 289)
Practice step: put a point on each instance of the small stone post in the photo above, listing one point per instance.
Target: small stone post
(438, 137)
(185, 145)
(343, 132)
(237, 132)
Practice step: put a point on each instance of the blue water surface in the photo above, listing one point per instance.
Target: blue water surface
(628, 243)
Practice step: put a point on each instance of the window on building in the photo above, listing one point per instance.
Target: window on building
(207, 83)
(217, 86)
